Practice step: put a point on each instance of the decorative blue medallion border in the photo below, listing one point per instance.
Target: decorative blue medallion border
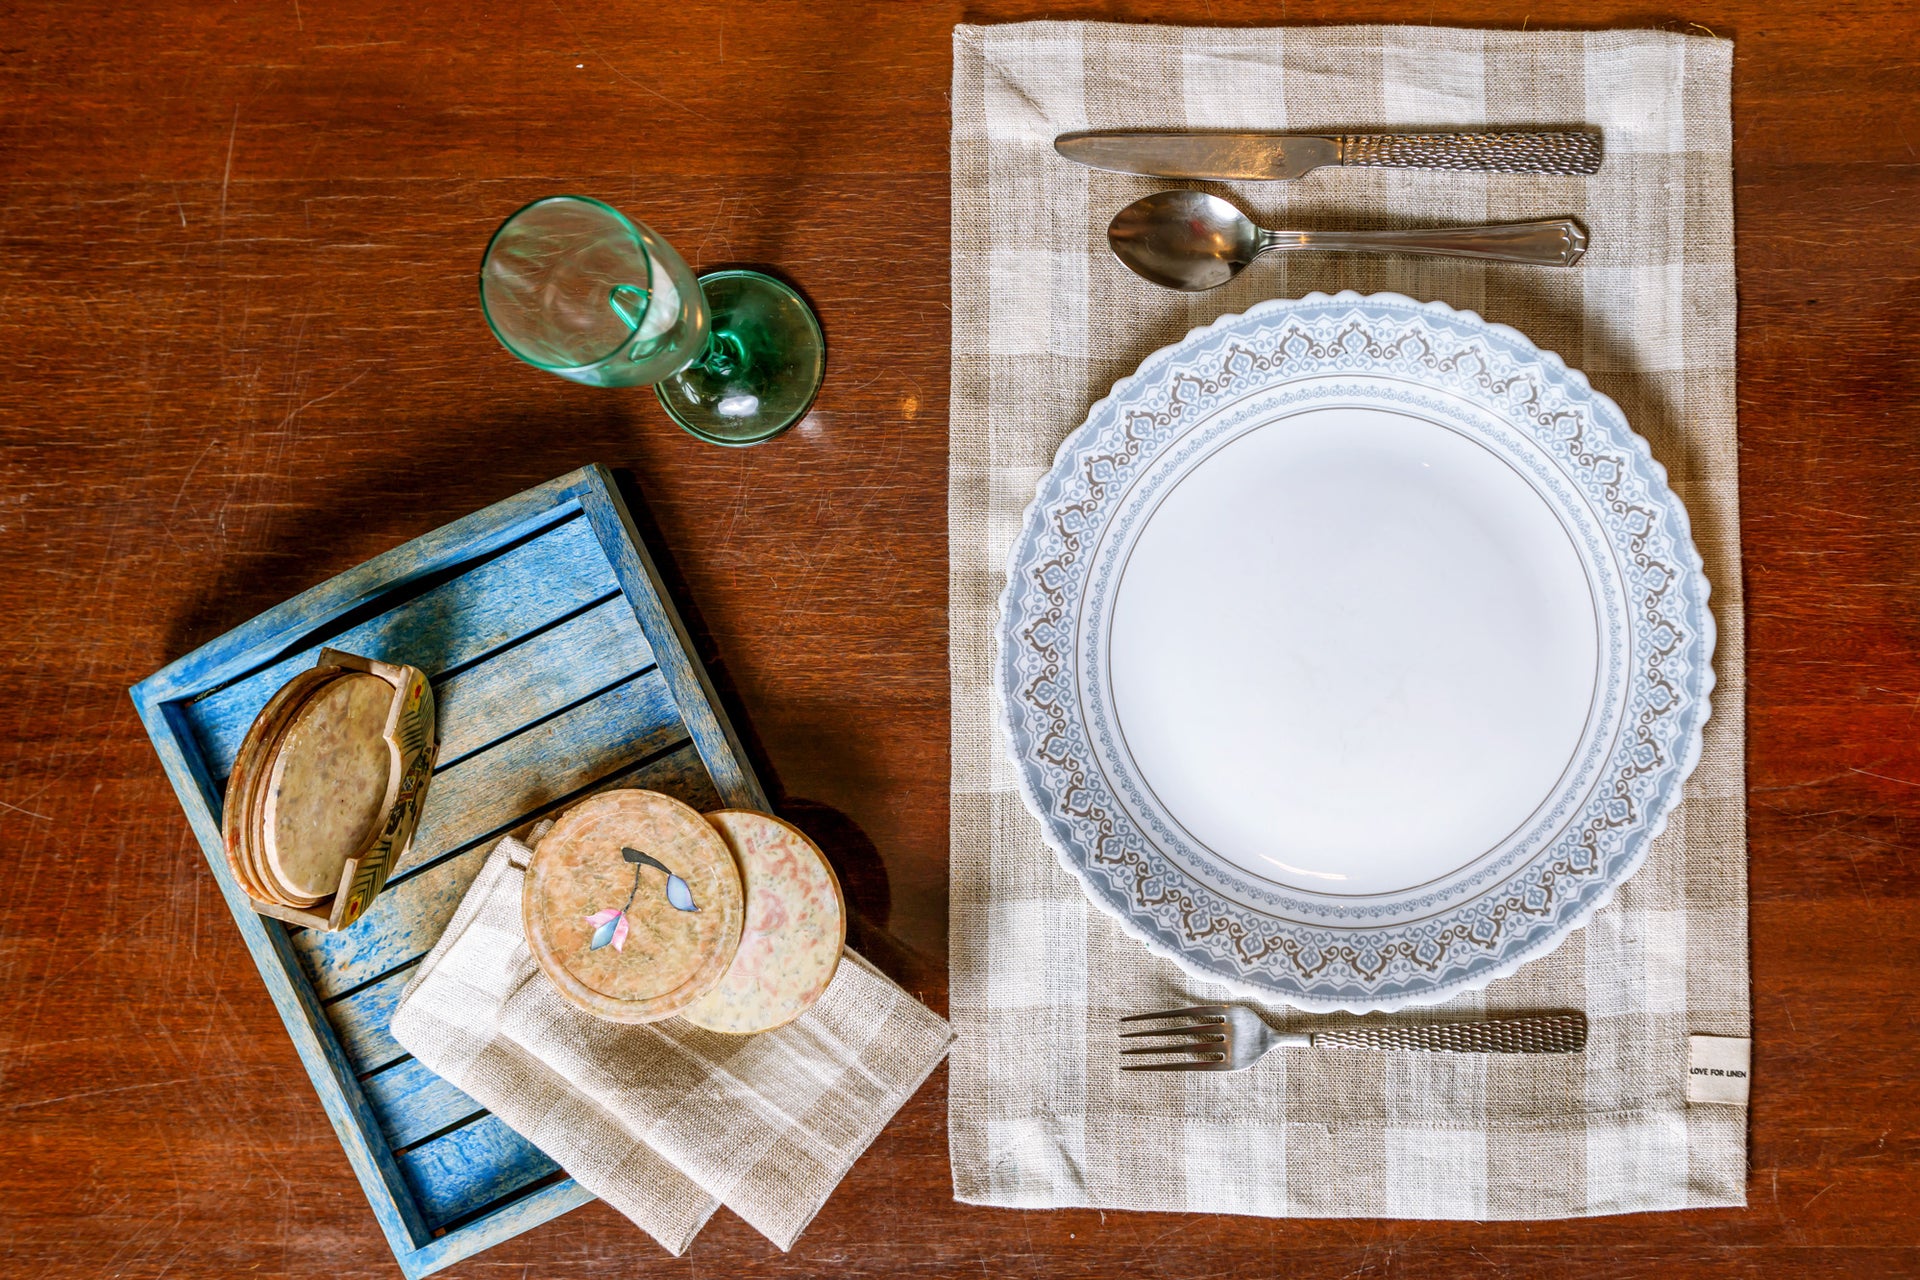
(1572, 443)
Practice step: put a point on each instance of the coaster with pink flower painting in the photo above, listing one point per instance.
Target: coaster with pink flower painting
(633, 906)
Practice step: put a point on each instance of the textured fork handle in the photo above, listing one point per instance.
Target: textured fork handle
(1552, 1033)
(1530, 152)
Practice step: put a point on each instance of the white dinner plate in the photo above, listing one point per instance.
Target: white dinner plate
(1353, 650)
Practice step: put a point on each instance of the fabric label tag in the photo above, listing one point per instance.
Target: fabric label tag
(1719, 1069)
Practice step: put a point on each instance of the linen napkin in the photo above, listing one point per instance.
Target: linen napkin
(665, 1121)
(1044, 322)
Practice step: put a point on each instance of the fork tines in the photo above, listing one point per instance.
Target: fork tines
(1203, 1028)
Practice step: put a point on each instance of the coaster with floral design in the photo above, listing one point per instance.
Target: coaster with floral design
(633, 906)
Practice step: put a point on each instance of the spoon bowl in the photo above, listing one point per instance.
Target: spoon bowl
(1186, 240)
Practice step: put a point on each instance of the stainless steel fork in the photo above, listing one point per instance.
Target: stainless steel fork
(1220, 1037)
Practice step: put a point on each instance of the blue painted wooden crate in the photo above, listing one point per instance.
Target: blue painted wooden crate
(560, 668)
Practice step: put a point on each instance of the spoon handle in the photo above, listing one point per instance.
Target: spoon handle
(1560, 242)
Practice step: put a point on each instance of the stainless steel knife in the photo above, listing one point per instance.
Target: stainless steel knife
(1289, 155)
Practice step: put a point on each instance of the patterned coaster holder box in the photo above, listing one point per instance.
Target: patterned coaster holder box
(557, 669)
(406, 731)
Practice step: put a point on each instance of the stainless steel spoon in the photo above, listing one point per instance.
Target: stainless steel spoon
(1193, 241)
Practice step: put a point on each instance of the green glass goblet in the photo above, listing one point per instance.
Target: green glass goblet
(575, 287)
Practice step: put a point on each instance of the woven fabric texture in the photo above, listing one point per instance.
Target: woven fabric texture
(1044, 322)
(665, 1121)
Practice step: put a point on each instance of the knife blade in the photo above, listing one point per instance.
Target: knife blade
(1284, 156)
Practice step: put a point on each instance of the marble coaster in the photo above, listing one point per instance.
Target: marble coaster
(246, 784)
(796, 924)
(633, 906)
(328, 786)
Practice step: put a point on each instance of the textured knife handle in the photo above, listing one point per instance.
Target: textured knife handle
(1552, 1033)
(1532, 152)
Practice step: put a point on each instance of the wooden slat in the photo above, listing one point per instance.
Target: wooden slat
(681, 775)
(470, 1168)
(496, 788)
(360, 1021)
(407, 919)
(402, 924)
(537, 677)
(493, 604)
(413, 1103)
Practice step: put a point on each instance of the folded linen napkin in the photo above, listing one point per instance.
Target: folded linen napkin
(1044, 322)
(665, 1121)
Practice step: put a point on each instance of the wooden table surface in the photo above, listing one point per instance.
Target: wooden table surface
(237, 311)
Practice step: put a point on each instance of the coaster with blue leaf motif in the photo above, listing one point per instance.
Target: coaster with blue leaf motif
(633, 906)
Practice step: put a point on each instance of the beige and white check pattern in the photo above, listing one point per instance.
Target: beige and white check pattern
(1044, 323)
(665, 1121)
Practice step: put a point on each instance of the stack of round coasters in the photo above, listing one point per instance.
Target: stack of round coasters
(796, 925)
(633, 906)
(637, 908)
(326, 789)
(327, 786)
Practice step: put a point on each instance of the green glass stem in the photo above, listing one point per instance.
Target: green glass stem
(724, 356)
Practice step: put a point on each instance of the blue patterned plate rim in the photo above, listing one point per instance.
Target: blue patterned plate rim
(1123, 773)
(1276, 947)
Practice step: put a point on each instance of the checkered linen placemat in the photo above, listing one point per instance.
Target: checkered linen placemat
(1044, 323)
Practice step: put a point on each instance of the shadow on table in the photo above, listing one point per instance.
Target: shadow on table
(854, 858)
(396, 498)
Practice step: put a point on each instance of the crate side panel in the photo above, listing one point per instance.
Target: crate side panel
(504, 1221)
(699, 705)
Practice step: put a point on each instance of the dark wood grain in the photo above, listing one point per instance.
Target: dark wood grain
(242, 353)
